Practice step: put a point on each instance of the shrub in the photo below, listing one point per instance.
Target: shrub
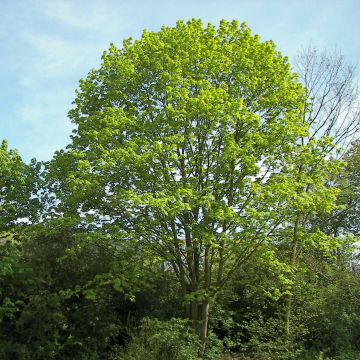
(162, 340)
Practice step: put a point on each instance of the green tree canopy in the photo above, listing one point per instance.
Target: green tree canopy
(17, 185)
(188, 141)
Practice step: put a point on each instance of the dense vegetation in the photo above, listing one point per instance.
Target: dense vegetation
(206, 207)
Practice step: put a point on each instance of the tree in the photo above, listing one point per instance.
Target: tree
(187, 142)
(332, 95)
(17, 185)
(347, 220)
(332, 115)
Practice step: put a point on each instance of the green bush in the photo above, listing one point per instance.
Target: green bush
(316, 355)
(267, 341)
(162, 340)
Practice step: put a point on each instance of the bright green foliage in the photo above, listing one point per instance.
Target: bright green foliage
(17, 184)
(192, 183)
(187, 140)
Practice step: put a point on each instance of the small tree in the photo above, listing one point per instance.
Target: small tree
(17, 185)
(187, 142)
(332, 115)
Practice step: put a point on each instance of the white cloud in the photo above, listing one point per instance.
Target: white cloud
(40, 107)
(44, 123)
(69, 14)
(101, 16)
(53, 57)
(77, 34)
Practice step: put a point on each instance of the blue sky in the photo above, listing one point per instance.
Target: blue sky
(46, 46)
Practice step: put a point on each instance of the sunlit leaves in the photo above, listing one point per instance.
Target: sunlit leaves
(187, 141)
(18, 188)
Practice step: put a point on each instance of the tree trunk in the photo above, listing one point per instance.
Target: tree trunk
(288, 302)
(200, 321)
(204, 325)
(195, 316)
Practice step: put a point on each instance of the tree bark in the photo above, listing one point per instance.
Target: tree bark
(204, 325)
(288, 300)
(200, 320)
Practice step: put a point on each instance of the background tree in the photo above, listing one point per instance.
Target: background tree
(332, 114)
(347, 219)
(17, 188)
(332, 95)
